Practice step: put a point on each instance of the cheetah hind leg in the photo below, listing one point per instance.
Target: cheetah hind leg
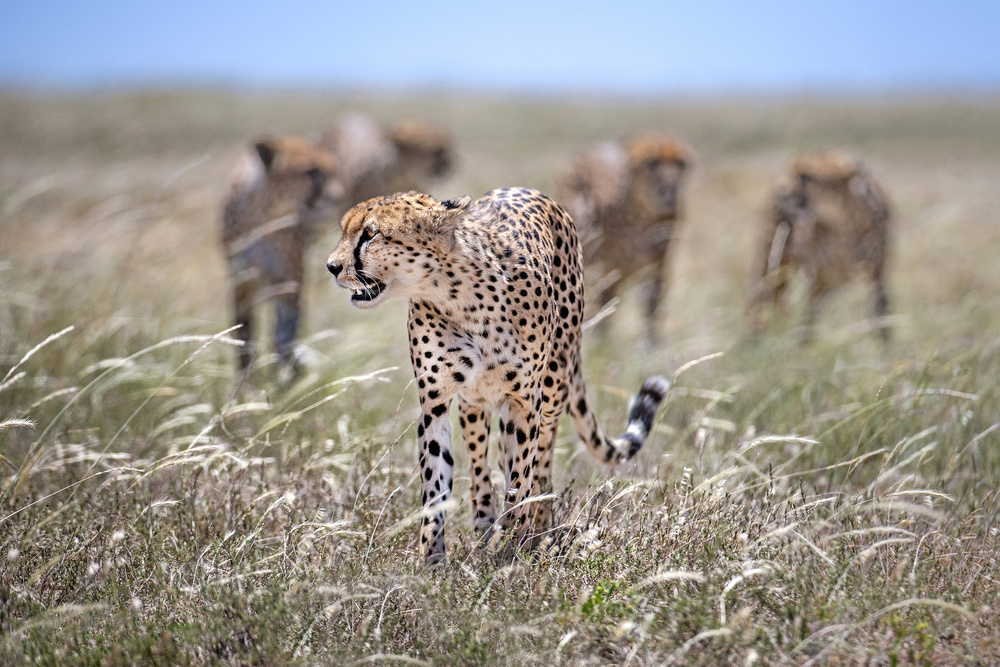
(518, 442)
(541, 484)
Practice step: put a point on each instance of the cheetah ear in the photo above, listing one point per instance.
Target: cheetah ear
(460, 203)
(266, 150)
(449, 213)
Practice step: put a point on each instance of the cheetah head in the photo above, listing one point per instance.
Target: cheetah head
(828, 171)
(299, 178)
(393, 245)
(825, 166)
(424, 148)
(656, 166)
(819, 177)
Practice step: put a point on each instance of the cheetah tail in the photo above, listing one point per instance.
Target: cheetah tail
(640, 421)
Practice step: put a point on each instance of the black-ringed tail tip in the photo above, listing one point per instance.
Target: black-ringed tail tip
(640, 422)
(643, 412)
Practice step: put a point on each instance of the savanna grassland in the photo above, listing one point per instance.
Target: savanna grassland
(835, 504)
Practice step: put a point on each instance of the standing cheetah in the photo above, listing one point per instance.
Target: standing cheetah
(281, 191)
(495, 289)
(828, 216)
(625, 199)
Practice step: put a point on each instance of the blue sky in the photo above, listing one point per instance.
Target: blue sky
(650, 48)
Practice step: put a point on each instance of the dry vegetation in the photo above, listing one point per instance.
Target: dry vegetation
(832, 505)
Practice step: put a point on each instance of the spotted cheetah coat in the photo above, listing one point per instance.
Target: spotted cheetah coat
(495, 288)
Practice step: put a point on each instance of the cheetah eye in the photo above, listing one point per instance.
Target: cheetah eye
(367, 235)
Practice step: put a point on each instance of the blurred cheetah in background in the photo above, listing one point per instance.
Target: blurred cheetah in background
(375, 160)
(829, 217)
(625, 199)
(281, 191)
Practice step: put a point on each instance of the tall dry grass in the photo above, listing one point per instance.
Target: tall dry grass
(829, 505)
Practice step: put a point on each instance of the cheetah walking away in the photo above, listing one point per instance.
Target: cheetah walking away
(281, 191)
(495, 288)
(829, 217)
(625, 199)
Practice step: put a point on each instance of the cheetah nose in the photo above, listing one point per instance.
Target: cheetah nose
(334, 268)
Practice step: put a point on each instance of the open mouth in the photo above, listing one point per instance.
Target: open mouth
(370, 293)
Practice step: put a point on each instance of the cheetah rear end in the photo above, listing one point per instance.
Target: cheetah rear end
(496, 301)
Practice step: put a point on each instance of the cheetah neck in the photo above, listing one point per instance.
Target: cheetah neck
(458, 284)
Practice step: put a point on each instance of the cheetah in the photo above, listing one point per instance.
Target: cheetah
(375, 160)
(495, 291)
(283, 188)
(625, 198)
(828, 216)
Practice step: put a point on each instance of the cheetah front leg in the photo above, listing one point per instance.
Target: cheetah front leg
(287, 303)
(881, 302)
(286, 325)
(436, 472)
(652, 296)
(656, 286)
(881, 310)
(475, 424)
(243, 297)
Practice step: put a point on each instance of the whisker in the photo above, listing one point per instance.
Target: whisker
(366, 280)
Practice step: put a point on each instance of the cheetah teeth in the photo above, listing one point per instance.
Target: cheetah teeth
(369, 293)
